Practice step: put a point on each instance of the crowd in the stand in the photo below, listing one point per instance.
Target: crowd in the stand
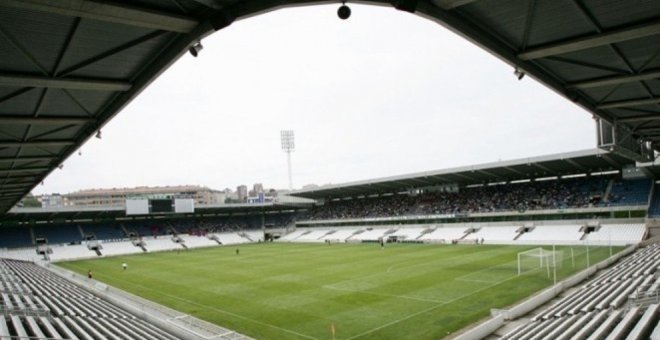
(204, 226)
(551, 194)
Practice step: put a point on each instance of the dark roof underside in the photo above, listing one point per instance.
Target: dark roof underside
(67, 67)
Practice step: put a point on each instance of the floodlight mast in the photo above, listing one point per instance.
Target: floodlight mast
(288, 146)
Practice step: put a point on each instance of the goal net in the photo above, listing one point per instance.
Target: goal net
(539, 259)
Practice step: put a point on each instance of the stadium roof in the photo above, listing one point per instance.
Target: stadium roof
(67, 67)
(96, 213)
(578, 162)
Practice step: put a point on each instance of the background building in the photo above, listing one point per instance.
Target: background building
(242, 193)
(118, 196)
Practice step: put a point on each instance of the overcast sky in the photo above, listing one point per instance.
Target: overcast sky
(382, 93)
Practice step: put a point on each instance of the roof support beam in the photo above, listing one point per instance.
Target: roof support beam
(53, 142)
(583, 43)
(110, 12)
(465, 176)
(14, 185)
(616, 80)
(451, 4)
(627, 103)
(12, 177)
(514, 171)
(648, 129)
(488, 173)
(575, 164)
(12, 193)
(64, 83)
(641, 118)
(26, 159)
(543, 167)
(609, 159)
(45, 120)
(18, 183)
(11, 171)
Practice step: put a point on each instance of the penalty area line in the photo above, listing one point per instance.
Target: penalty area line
(427, 309)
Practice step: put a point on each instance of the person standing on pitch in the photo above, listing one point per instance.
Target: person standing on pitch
(124, 265)
(237, 251)
(89, 274)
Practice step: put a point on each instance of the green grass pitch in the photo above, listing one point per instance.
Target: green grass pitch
(297, 291)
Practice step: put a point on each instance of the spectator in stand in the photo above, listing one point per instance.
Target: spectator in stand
(551, 194)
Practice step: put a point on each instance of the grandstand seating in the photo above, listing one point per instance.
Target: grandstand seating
(654, 207)
(496, 234)
(408, 234)
(104, 231)
(584, 192)
(617, 234)
(314, 235)
(443, 234)
(126, 247)
(293, 235)
(199, 241)
(549, 234)
(340, 235)
(13, 237)
(374, 234)
(631, 192)
(65, 252)
(614, 234)
(603, 308)
(161, 244)
(117, 248)
(55, 233)
(39, 304)
(146, 229)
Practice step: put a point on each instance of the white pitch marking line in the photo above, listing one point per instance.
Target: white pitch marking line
(382, 294)
(225, 312)
(426, 310)
(474, 280)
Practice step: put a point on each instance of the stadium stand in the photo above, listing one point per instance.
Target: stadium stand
(13, 237)
(550, 194)
(629, 192)
(620, 302)
(126, 247)
(315, 235)
(38, 304)
(103, 231)
(654, 206)
(58, 233)
(564, 234)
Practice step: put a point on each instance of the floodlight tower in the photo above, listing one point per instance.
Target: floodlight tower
(288, 146)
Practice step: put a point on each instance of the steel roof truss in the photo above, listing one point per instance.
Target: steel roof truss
(596, 40)
(64, 83)
(110, 12)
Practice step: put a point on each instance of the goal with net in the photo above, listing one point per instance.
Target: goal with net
(539, 259)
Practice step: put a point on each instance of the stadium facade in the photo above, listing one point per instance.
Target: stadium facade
(116, 197)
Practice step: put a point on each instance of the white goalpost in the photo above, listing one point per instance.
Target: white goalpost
(539, 259)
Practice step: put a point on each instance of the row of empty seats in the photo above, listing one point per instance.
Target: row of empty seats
(619, 303)
(614, 234)
(38, 304)
(126, 247)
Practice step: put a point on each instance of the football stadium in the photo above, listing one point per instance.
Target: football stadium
(559, 246)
